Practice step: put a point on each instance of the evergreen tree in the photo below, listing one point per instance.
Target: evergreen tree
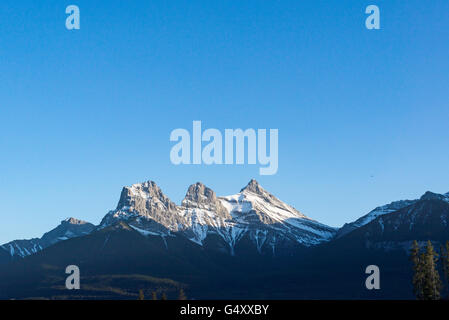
(182, 295)
(431, 277)
(141, 295)
(154, 295)
(418, 276)
(445, 265)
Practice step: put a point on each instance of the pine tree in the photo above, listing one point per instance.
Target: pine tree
(154, 295)
(445, 265)
(418, 278)
(182, 295)
(431, 277)
(141, 295)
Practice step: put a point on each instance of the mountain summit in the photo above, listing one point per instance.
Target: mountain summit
(253, 186)
(67, 229)
(235, 240)
(386, 209)
(253, 214)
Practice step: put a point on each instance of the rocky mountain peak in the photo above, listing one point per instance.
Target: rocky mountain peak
(146, 194)
(201, 197)
(146, 189)
(67, 229)
(253, 186)
(72, 220)
(433, 196)
(199, 193)
(145, 200)
(201, 213)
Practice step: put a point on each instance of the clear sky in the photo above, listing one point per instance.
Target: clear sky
(362, 114)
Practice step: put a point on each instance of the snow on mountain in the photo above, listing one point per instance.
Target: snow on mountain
(253, 212)
(204, 213)
(385, 209)
(22, 248)
(253, 215)
(253, 208)
(69, 228)
(425, 219)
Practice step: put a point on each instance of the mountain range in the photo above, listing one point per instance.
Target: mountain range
(67, 229)
(246, 245)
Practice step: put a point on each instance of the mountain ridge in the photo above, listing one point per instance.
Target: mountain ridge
(253, 212)
(253, 266)
(67, 229)
(385, 209)
(253, 215)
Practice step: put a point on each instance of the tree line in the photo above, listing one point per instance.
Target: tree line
(426, 280)
(427, 284)
(154, 296)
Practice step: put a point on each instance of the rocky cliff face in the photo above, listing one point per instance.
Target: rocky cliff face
(253, 213)
(146, 206)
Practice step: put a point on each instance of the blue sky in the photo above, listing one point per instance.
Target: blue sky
(362, 115)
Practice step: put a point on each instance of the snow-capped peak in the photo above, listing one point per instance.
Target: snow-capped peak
(388, 208)
(69, 228)
(201, 197)
(254, 198)
(373, 214)
(254, 187)
(72, 220)
(145, 190)
(252, 211)
(198, 194)
(256, 208)
(145, 201)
